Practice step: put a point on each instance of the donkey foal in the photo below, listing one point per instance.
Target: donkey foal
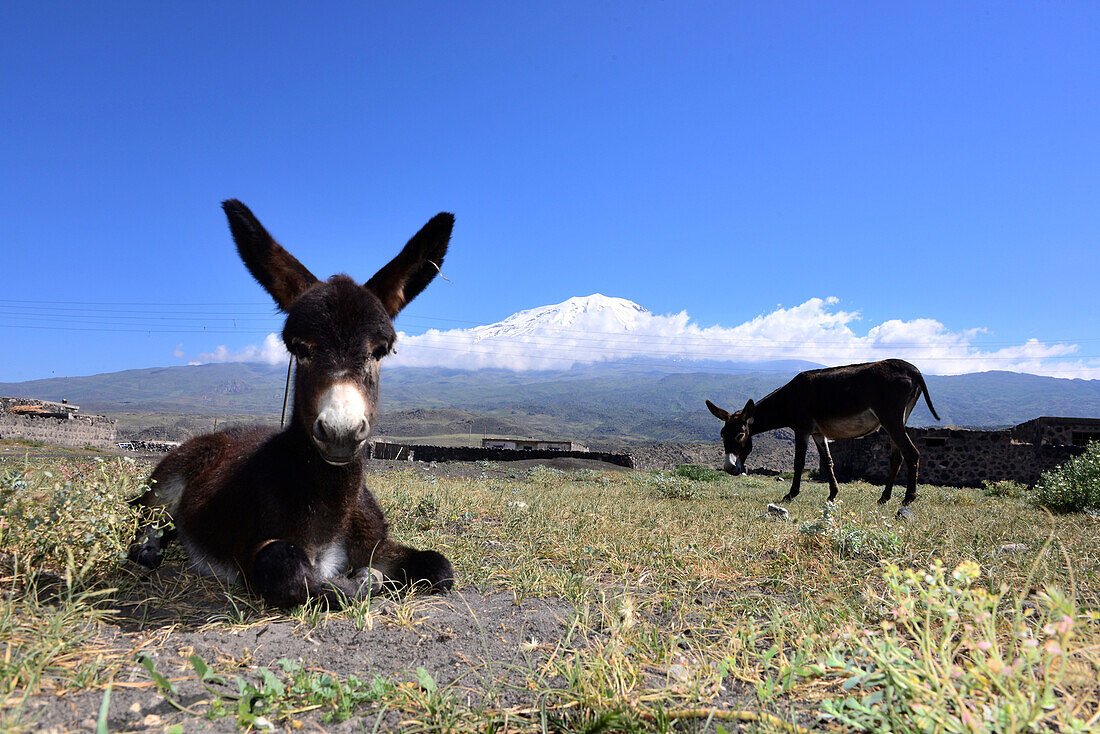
(287, 512)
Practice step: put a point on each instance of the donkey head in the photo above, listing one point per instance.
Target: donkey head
(337, 329)
(736, 435)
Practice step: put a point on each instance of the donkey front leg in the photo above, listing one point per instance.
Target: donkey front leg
(800, 443)
(283, 575)
(404, 567)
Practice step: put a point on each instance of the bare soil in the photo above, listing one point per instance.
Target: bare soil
(482, 644)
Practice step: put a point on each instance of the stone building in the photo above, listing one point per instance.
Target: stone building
(59, 424)
(958, 457)
(531, 444)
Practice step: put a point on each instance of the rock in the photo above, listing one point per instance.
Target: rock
(776, 511)
(906, 513)
(678, 672)
(1013, 548)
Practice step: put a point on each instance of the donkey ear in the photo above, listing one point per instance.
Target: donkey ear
(274, 268)
(748, 410)
(402, 279)
(718, 412)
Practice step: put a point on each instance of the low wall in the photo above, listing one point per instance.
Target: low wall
(75, 430)
(468, 453)
(950, 457)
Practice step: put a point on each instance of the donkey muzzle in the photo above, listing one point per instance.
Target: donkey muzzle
(733, 465)
(341, 427)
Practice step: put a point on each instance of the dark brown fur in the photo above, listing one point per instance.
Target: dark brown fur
(286, 512)
(836, 402)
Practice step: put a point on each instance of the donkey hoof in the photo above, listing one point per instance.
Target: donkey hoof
(884, 499)
(370, 581)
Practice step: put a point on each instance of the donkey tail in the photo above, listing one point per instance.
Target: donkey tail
(927, 397)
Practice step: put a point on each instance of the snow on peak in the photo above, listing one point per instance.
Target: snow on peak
(596, 312)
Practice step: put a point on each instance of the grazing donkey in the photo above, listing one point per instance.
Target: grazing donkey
(287, 512)
(837, 402)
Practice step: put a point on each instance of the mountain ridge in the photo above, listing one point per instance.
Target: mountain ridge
(603, 401)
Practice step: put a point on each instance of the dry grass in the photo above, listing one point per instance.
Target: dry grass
(691, 609)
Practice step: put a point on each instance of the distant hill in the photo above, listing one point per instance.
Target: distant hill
(618, 401)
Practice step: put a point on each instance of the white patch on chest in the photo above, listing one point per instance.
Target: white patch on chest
(849, 426)
(330, 560)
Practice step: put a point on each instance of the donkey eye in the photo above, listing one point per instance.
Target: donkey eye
(379, 352)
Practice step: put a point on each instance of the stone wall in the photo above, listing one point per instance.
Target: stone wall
(73, 430)
(1058, 431)
(381, 450)
(952, 457)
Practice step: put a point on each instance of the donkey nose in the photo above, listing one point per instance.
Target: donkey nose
(363, 431)
(334, 432)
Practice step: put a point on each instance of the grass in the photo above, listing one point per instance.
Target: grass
(692, 610)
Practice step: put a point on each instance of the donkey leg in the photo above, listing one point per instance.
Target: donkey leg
(896, 430)
(891, 475)
(160, 503)
(370, 548)
(827, 465)
(404, 567)
(157, 530)
(284, 577)
(800, 444)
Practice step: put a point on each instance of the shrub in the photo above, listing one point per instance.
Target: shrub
(1072, 487)
(1003, 488)
(697, 472)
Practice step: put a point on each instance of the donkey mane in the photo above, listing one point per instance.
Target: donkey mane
(286, 512)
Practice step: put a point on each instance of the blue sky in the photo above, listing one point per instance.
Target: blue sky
(919, 163)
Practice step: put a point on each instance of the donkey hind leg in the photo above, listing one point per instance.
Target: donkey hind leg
(158, 508)
(827, 465)
(800, 443)
(891, 475)
(421, 570)
(283, 575)
(896, 431)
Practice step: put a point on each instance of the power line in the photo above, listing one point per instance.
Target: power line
(583, 333)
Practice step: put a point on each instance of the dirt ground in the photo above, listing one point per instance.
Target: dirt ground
(482, 643)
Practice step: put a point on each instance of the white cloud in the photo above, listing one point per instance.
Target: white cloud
(596, 328)
(178, 351)
(815, 331)
(271, 351)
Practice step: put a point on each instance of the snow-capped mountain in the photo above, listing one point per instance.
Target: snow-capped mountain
(599, 331)
(596, 313)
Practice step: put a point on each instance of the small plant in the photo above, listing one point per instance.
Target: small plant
(851, 536)
(1072, 487)
(697, 473)
(673, 486)
(953, 657)
(1003, 488)
(258, 701)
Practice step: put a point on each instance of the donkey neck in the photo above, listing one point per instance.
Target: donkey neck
(324, 479)
(769, 414)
